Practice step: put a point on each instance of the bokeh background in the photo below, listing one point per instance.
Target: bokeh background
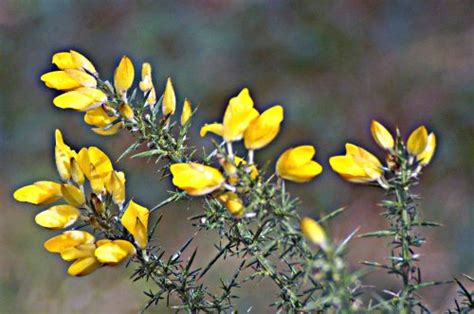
(334, 65)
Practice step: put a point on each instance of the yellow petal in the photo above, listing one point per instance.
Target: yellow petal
(425, 156)
(135, 220)
(313, 231)
(73, 60)
(302, 173)
(108, 131)
(83, 266)
(263, 129)
(59, 80)
(358, 165)
(95, 165)
(196, 179)
(295, 164)
(115, 185)
(74, 100)
(63, 155)
(82, 62)
(146, 83)
(114, 252)
(216, 128)
(151, 99)
(346, 167)
(124, 75)
(67, 240)
(169, 99)
(97, 95)
(381, 135)
(187, 111)
(84, 161)
(84, 79)
(38, 193)
(233, 203)
(366, 160)
(58, 217)
(80, 251)
(76, 173)
(417, 141)
(64, 60)
(238, 115)
(73, 195)
(126, 111)
(99, 117)
(100, 161)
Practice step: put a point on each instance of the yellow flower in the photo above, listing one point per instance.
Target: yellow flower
(296, 164)
(135, 220)
(313, 231)
(126, 111)
(38, 193)
(417, 141)
(81, 99)
(237, 117)
(72, 194)
(425, 156)
(99, 117)
(124, 75)
(63, 156)
(146, 84)
(113, 252)
(115, 185)
(73, 60)
(233, 203)
(358, 165)
(381, 135)
(169, 99)
(96, 166)
(58, 217)
(187, 112)
(196, 179)
(263, 129)
(68, 239)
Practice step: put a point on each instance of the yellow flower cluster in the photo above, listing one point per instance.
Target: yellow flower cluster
(107, 108)
(360, 166)
(243, 122)
(107, 188)
(77, 77)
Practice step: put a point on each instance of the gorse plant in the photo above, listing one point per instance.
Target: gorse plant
(245, 203)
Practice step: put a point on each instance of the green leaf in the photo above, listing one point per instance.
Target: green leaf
(128, 150)
(148, 153)
(375, 264)
(331, 215)
(343, 244)
(378, 234)
(428, 224)
(431, 283)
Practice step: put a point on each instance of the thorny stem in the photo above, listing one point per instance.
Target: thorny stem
(402, 214)
(276, 236)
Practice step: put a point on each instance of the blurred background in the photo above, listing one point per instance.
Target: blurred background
(333, 65)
